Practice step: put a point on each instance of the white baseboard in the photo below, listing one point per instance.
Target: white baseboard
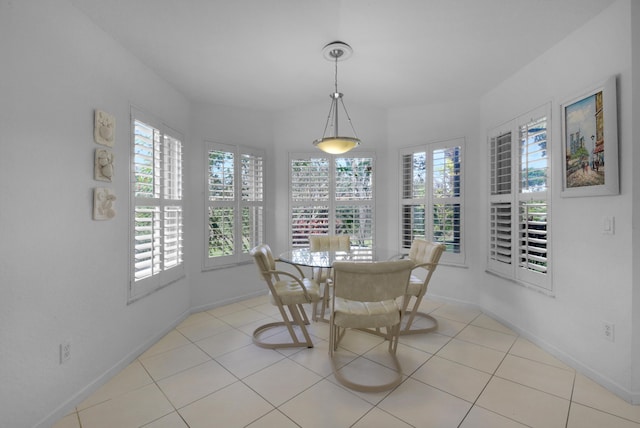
(208, 307)
(69, 405)
(625, 394)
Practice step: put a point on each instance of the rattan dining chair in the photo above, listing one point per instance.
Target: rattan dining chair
(365, 296)
(286, 291)
(323, 275)
(425, 255)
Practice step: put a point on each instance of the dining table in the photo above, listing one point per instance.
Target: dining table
(323, 260)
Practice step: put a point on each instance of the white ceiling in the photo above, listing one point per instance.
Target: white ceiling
(266, 54)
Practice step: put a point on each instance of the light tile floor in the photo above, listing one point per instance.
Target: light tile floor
(471, 373)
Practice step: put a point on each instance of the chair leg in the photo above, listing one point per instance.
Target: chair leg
(393, 339)
(325, 301)
(304, 314)
(301, 320)
(397, 380)
(412, 315)
(325, 298)
(298, 316)
(332, 339)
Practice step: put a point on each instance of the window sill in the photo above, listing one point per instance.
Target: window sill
(226, 266)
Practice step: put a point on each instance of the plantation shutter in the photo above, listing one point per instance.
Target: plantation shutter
(500, 214)
(331, 195)
(447, 192)
(252, 201)
(157, 220)
(519, 201)
(235, 203)
(221, 203)
(354, 199)
(414, 177)
(500, 249)
(147, 238)
(172, 202)
(432, 196)
(532, 202)
(310, 205)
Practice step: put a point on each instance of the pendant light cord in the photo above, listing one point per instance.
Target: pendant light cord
(342, 101)
(336, 73)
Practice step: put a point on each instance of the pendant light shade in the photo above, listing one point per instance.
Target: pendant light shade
(336, 144)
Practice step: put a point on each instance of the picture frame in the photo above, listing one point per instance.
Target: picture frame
(590, 142)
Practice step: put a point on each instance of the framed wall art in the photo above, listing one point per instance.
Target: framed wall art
(590, 142)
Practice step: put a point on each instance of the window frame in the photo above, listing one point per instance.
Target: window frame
(430, 200)
(521, 237)
(332, 203)
(238, 255)
(174, 203)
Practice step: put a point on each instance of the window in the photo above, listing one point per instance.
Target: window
(234, 203)
(156, 222)
(332, 195)
(519, 201)
(432, 196)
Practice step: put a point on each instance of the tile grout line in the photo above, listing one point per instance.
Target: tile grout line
(474, 404)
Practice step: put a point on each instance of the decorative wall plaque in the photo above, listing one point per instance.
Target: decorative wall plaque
(104, 128)
(103, 204)
(103, 170)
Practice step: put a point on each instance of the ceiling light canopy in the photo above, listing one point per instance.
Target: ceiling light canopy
(336, 144)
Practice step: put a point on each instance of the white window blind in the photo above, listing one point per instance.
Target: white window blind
(234, 203)
(332, 195)
(519, 201)
(447, 197)
(432, 197)
(501, 203)
(533, 200)
(500, 158)
(157, 220)
(252, 201)
(414, 179)
(500, 231)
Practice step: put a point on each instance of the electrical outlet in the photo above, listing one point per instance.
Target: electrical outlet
(65, 352)
(608, 330)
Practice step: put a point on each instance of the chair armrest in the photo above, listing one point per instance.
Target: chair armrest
(302, 275)
(428, 266)
(297, 279)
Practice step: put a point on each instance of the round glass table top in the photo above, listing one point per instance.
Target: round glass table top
(325, 259)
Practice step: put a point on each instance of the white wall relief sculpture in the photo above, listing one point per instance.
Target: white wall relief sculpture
(103, 165)
(104, 128)
(103, 204)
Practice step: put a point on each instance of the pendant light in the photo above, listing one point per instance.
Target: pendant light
(336, 144)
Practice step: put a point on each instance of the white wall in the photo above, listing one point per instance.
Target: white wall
(226, 125)
(64, 276)
(635, 155)
(592, 272)
(411, 126)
